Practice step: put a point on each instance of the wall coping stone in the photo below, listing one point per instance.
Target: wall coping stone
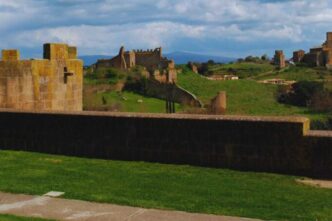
(303, 120)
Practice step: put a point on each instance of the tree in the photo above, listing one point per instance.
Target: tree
(265, 57)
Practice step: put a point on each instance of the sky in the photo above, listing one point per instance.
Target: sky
(233, 28)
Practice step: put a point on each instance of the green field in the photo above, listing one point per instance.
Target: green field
(151, 185)
(244, 97)
(16, 218)
(124, 102)
(298, 73)
(242, 69)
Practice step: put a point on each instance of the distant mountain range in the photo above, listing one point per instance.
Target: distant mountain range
(179, 58)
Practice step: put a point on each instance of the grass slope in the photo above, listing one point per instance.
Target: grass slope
(125, 102)
(193, 189)
(16, 218)
(298, 73)
(244, 97)
(242, 69)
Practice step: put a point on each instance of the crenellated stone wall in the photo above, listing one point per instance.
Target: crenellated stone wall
(159, 67)
(52, 83)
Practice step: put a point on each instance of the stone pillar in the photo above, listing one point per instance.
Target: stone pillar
(279, 59)
(219, 103)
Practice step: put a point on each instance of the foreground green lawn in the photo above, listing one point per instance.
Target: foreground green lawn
(193, 189)
(16, 218)
(244, 97)
(125, 102)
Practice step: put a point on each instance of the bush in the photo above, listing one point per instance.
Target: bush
(321, 102)
(301, 93)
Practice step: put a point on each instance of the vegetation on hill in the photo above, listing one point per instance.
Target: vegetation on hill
(244, 97)
(242, 69)
(186, 188)
(111, 89)
(125, 101)
(298, 73)
(116, 90)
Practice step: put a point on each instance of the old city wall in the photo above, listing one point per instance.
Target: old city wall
(54, 83)
(281, 145)
(171, 92)
(149, 59)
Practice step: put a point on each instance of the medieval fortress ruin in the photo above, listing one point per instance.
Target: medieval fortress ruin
(157, 66)
(52, 83)
(320, 56)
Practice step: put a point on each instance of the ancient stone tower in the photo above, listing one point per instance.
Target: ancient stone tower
(279, 59)
(52, 83)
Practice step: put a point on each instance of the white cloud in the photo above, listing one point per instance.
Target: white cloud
(101, 26)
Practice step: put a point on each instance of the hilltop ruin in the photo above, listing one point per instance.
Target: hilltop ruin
(320, 56)
(158, 67)
(52, 83)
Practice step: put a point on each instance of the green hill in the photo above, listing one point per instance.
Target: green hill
(245, 97)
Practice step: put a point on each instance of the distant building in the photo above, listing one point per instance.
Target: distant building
(279, 59)
(298, 56)
(159, 67)
(320, 56)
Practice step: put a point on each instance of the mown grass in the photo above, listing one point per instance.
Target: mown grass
(125, 102)
(17, 218)
(244, 97)
(186, 188)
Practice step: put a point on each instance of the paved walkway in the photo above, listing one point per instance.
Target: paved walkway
(63, 209)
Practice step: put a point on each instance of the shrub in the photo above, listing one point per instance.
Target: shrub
(301, 93)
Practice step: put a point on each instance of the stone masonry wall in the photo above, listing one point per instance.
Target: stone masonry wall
(53, 83)
(268, 144)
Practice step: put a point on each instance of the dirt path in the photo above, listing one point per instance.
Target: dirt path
(63, 209)
(317, 183)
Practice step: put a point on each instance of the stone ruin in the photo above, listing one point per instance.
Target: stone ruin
(193, 67)
(320, 56)
(158, 67)
(279, 59)
(52, 83)
(219, 103)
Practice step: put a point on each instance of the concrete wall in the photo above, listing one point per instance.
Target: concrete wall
(53, 83)
(282, 145)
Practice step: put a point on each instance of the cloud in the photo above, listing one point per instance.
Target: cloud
(101, 26)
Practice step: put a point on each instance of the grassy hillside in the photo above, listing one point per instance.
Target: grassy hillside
(186, 188)
(103, 91)
(124, 102)
(245, 97)
(298, 73)
(242, 69)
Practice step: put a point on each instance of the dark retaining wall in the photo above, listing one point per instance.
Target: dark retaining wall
(282, 145)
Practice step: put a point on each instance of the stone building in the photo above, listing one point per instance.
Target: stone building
(159, 67)
(279, 59)
(52, 83)
(298, 56)
(320, 56)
